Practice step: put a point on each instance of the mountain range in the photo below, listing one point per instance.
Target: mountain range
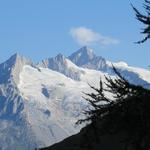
(40, 103)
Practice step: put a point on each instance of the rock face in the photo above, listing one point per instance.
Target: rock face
(86, 58)
(82, 56)
(10, 100)
(9, 70)
(12, 121)
(39, 104)
(62, 65)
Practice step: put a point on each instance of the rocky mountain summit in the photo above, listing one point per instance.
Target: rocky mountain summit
(40, 103)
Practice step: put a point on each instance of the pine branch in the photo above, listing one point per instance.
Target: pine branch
(129, 111)
(145, 19)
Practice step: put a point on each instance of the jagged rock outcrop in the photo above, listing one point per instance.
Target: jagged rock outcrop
(86, 58)
(10, 69)
(39, 104)
(61, 64)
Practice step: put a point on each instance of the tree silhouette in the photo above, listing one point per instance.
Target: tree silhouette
(128, 110)
(145, 19)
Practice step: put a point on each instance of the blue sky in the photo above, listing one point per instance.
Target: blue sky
(39, 29)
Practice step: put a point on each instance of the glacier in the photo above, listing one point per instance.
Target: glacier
(40, 103)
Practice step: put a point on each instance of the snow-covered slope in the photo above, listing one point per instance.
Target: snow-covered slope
(52, 103)
(63, 65)
(137, 76)
(39, 105)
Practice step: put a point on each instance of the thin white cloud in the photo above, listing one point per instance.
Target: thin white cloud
(86, 36)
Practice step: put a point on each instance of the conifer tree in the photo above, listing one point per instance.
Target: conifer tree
(145, 19)
(128, 110)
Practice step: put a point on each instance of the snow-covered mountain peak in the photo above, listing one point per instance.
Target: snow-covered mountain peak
(86, 58)
(63, 65)
(86, 50)
(60, 57)
(39, 105)
(47, 63)
(82, 56)
(13, 60)
(10, 69)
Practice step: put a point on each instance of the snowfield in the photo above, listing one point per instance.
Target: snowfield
(53, 102)
(40, 104)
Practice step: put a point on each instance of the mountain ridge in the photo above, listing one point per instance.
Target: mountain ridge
(86, 58)
(40, 103)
